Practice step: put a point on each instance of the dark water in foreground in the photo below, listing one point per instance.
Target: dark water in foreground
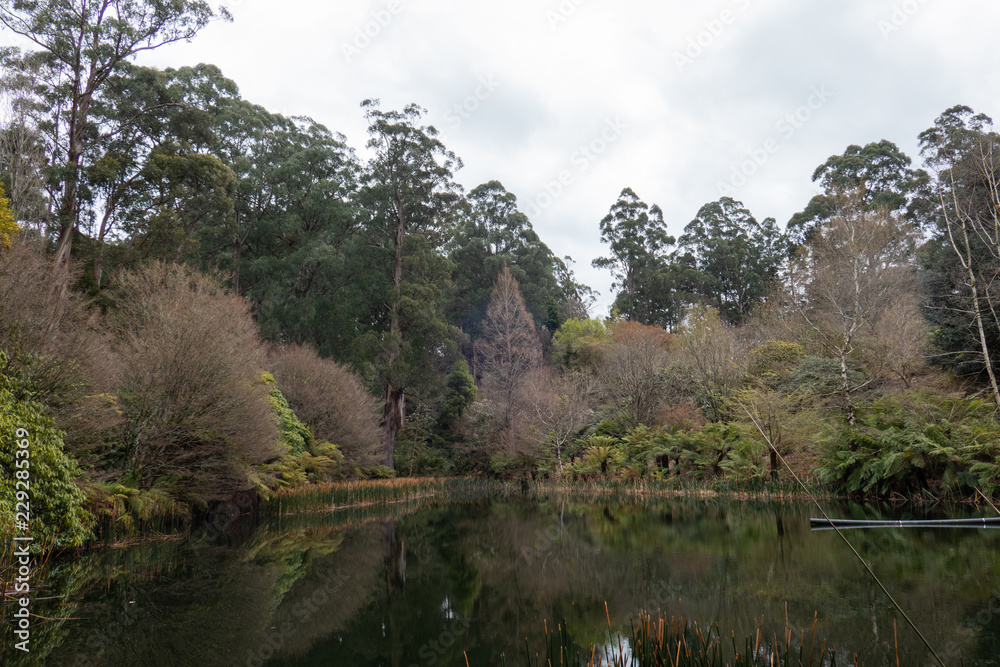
(420, 585)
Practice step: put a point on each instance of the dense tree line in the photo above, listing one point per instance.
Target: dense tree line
(225, 299)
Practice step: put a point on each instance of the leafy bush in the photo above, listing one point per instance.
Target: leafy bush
(770, 364)
(8, 224)
(460, 395)
(580, 343)
(57, 516)
(602, 456)
(711, 452)
(292, 433)
(915, 442)
(421, 449)
(521, 465)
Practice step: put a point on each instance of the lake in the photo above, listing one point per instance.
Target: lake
(421, 584)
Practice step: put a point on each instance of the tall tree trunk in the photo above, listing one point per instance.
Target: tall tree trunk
(967, 263)
(394, 418)
(237, 252)
(394, 413)
(845, 388)
(102, 233)
(68, 211)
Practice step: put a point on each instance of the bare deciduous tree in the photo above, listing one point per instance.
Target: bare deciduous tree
(849, 278)
(563, 407)
(53, 338)
(330, 399)
(191, 392)
(713, 356)
(898, 341)
(510, 346)
(632, 373)
(972, 217)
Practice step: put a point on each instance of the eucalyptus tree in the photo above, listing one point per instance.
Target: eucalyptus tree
(878, 173)
(138, 108)
(962, 260)
(637, 237)
(294, 232)
(733, 259)
(22, 150)
(82, 44)
(409, 198)
(492, 233)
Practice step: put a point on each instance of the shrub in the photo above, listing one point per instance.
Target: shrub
(191, 395)
(634, 370)
(50, 335)
(603, 456)
(819, 377)
(716, 450)
(57, 516)
(683, 415)
(305, 460)
(330, 399)
(8, 225)
(770, 364)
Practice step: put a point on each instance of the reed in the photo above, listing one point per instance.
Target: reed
(659, 641)
(342, 495)
(675, 488)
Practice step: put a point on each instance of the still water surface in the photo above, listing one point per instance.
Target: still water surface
(421, 585)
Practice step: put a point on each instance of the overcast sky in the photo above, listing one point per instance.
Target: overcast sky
(670, 98)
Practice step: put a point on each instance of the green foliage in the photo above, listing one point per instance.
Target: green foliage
(729, 259)
(879, 170)
(962, 146)
(819, 377)
(637, 237)
(719, 449)
(8, 225)
(306, 460)
(375, 472)
(460, 394)
(492, 233)
(518, 466)
(125, 511)
(770, 364)
(580, 343)
(553, 315)
(424, 447)
(57, 517)
(914, 443)
(616, 426)
(292, 433)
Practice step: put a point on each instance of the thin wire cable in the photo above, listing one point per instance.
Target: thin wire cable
(843, 537)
